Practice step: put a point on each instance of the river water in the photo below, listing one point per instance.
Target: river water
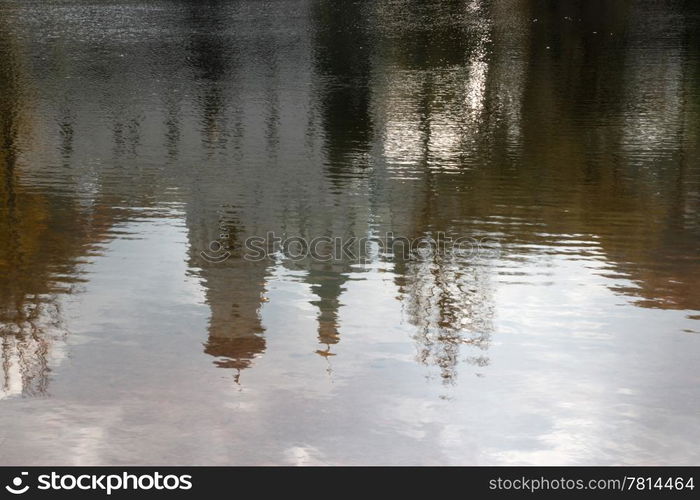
(142, 145)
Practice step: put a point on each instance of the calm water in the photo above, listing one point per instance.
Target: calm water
(136, 135)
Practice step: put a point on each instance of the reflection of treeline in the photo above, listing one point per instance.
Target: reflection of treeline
(604, 146)
(533, 140)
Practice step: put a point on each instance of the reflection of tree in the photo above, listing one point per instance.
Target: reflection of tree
(235, 289)
(582, 130)
(28, 305)
(38, 249)
(450, 304)
(43, 235)
(605, 142)
(435, 120)
(419, 35)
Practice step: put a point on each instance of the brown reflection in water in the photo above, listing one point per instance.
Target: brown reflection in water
(608, 142)
(26, 301)
(46, 235)
(33, 246)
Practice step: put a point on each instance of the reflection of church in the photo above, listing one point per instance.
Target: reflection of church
(270, 174)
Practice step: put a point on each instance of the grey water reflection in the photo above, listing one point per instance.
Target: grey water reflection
(137, 135)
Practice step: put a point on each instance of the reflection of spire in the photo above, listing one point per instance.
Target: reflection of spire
(327, 284)
(343, 67)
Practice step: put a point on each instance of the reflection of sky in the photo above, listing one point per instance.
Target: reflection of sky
(570, 378)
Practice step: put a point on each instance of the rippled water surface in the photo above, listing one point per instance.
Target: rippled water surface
(142, 142)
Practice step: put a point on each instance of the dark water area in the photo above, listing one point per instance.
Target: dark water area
(143, 143)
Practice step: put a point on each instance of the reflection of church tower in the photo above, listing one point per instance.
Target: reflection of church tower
(234, 288)
(235, 295)
(342, 67)
(245, 191)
